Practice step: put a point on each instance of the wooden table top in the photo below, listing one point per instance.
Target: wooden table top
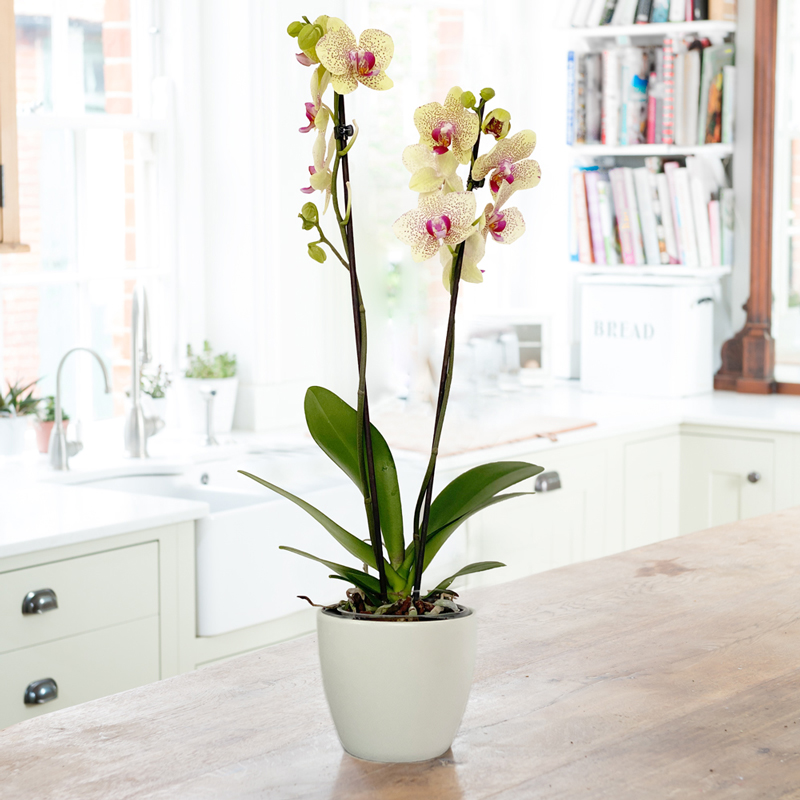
(668, 671)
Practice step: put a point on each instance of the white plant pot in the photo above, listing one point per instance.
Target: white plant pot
(193, 405)
(12, 435)
(397, 689)
(154, 406)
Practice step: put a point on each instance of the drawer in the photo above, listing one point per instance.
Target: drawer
(85, 667)
(93, 592)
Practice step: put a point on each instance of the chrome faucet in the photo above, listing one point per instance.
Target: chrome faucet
(138, 427)
(59, 449)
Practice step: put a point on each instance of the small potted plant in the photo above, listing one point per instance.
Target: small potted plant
(397, 657)
(16, 410)
(154, 387)
(46, 418)
(210, 372)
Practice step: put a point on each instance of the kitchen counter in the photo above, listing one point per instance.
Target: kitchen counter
(669, 670)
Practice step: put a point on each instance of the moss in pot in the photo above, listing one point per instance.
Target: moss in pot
(387, 625)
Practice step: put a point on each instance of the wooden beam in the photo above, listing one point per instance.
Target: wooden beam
(748, 359)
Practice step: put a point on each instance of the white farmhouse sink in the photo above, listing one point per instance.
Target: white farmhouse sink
(242, 577)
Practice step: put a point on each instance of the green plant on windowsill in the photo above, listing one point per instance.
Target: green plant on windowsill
(156, 384)
(206, 365)
(15, 403)
(47, 410)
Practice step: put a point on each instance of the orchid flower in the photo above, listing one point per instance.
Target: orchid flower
(350, 62)
(504, 225)
(431, 172)
(439, 219)
(474, 251)
(497, 123)
(320, 170)
(449, 127)
(505, 162)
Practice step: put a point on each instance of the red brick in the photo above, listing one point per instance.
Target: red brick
(129, 179)
(117, 11)
(127, 146)
(130, 247)
(119, 105)
(116, 43)
(130, 212)
(118, 77)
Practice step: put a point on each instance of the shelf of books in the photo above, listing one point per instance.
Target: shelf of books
(652, 131)
(645, 31)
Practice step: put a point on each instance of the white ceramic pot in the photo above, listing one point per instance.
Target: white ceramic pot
(193, 406)
(12, 435)
(397, 690)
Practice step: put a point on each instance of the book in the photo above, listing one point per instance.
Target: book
(596, 8)
(713, 132)
(670, 168)
(571, 97)
(726, 214)
(654, 165)
(679, 92)
(699, 9)
(652, 114)
(641, 177)
(606, 205)
(625, 12)
(643, 9)
(668, 112)
(633, 213)
(722, 10)
(714, 59)
(611, 92)
(622, 214)
(677, 11)
(580, 98)
(691, 96)
(700, 212)
(658, 93)
(728, 103)
(660, 12)
(673, 256)
(580, 12)
(594, 89)
(688, 236)
(634, 71)
(714, 227)
(591, 179)
(581, 217)
(608, 12)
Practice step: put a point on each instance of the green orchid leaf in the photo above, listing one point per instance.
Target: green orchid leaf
(361, 550)
(437, 538)
(478, 566)
(373, 599)
(355, 576)
(471, 490)
(332, 423)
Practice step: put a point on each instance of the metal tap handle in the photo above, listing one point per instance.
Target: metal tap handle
(209, 398)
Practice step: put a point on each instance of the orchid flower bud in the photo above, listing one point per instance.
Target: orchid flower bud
(310, 213)
(487, 94)
(309, 36)
(294, 28)
(317, 253)
(468, 100)
(497, 123)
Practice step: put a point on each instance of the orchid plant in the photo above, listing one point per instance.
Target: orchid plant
(444, 223)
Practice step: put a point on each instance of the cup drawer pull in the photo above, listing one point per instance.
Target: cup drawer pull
(42, 691)
(39, 601)
(547, 482)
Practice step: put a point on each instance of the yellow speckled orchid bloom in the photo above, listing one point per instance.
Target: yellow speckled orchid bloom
(350, 62)
(439, 219)
(506, 163)
(474, 251)
(431, 172)
(504, 225)
(449, 127)
(320, 170)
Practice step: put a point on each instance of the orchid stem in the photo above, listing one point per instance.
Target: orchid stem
(363, 430)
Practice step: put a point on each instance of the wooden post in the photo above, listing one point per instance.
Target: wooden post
(9, 189)
(748, 359)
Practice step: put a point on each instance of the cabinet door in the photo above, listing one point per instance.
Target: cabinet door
(546, 530)
(724, 479)
(652, 483)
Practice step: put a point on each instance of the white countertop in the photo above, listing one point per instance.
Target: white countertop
(40, 509)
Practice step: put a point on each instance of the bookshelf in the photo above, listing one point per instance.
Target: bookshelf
(709, 28)
(662, 271)
(642, 150)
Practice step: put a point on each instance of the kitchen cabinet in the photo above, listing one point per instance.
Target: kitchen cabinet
(725, 479)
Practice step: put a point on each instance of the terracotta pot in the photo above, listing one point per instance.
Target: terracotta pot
(397, 689)
(43, 430)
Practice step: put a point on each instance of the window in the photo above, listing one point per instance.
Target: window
(786, 203)
(90, 171)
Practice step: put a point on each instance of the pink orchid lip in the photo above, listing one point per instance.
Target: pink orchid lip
(309, 189)
(497, 224)
(311, 114)
(364, 62)
(303, 59)
(439, 227)
(495, 127)
(442, 134)
(504, 172)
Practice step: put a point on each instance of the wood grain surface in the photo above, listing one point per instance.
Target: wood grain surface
(668, 671)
